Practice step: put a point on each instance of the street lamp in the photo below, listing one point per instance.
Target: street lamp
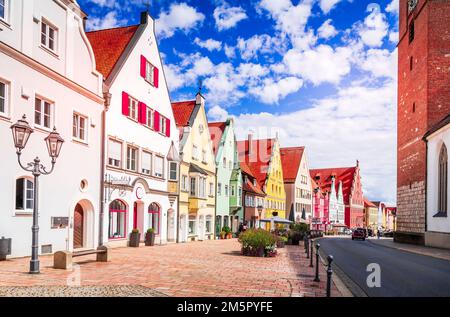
(260, 210)
(21, 133)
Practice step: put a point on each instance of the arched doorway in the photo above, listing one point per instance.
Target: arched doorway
(78, 227)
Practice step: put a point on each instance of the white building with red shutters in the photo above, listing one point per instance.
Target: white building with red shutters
(48, 73)
(141, 157)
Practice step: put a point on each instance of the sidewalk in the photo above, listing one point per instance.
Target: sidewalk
(423, 250)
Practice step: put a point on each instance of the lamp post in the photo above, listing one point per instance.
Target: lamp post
(21, 133)
(260, 210)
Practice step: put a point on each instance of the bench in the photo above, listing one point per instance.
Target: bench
(63, 259)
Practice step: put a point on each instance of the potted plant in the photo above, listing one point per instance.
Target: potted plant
(150, 237)
(281, 241)
(228, 233)
(135, 238)
(258, 243)
(223, 235)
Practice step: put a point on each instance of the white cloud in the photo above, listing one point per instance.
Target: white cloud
(217, 113)
(381, 63)
(227, 17)
(110, 20)
(230, 51)
(393, 7)
(319, 65)
(393, 37)
(273, 91)
(326, 30)
(256, 45)
(209, 44)
(357, 123)
(328, 5)
(375, 27)
(180, 17)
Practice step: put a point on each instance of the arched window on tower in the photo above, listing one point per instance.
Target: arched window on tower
(443, 181)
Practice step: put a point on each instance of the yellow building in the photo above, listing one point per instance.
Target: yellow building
(264, 160)
(197, 172)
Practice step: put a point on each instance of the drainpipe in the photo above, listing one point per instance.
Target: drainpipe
(107, 97)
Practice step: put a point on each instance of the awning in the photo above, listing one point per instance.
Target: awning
(277, 220)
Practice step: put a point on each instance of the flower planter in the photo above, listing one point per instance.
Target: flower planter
(229, 236)
(135, 239)
(150, 239)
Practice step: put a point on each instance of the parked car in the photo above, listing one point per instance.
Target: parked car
(388, 234)
(359, 234)
(348, 231)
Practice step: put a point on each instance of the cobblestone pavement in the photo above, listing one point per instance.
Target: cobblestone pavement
(209, 268)
(82, 291)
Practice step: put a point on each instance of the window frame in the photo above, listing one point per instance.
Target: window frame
(86, 127)
(112, 211)
(169, 170)
(42, 103)
(157, 156)
(49, 26)
(149, 71)
(155, 212)
(192, 218)
(150, 122)
(184, 183)
(443, 181)
(5, 98)
(133, 108)
(5, 17)
(24, 200)
(121, 153)
(151, 163)
(129, 159)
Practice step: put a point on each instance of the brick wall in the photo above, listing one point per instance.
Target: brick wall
(423, 100)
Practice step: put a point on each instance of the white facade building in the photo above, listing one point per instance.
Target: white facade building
(48, 73)
(336, 204)
(141, 159)
(437, 232)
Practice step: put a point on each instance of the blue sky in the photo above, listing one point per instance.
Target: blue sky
(320, 73)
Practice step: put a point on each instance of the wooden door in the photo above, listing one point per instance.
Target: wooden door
(78, 227)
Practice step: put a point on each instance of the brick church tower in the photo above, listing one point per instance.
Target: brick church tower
(423, 100)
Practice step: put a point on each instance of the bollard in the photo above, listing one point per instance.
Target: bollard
(311, 247)
(307, 247)
(305, 241)
(317, 279)
(329, 275)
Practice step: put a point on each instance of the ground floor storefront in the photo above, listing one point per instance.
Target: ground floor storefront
(196, 224)
(208, 268)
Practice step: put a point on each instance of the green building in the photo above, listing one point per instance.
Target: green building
(229, 179)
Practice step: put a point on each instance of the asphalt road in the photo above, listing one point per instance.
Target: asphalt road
(402, 273)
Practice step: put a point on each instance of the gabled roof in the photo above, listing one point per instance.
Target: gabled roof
(248, 185)
(344, 174)
(259, 160)
(368, 203)
(182, 112)
(216, 130)
(109, 45)
(290, 160)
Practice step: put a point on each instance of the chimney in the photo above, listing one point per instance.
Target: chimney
(250, 144)
(200, 100)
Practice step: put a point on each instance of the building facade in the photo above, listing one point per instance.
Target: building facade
(138, 135)
(264, 160)
(253, 197)
(229, 180)
(297, 184)
(371, 215)
(197, 172)
(48, 72)
(350, 184)
(437, 232)
(423, 100)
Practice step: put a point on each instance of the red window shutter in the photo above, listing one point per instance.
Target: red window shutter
(156, 76)
(125, 104)
(168, 128)
(142, 113)
(156, 118)
(143, 66)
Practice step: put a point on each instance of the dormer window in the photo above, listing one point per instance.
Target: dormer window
(49, 35)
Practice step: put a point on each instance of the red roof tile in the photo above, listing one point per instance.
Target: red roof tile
(368, 203)
(259, 160)
(248, 185)
(182, 112)
(108, 46)
(216, 130)
(290, 160)
(344, 174)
